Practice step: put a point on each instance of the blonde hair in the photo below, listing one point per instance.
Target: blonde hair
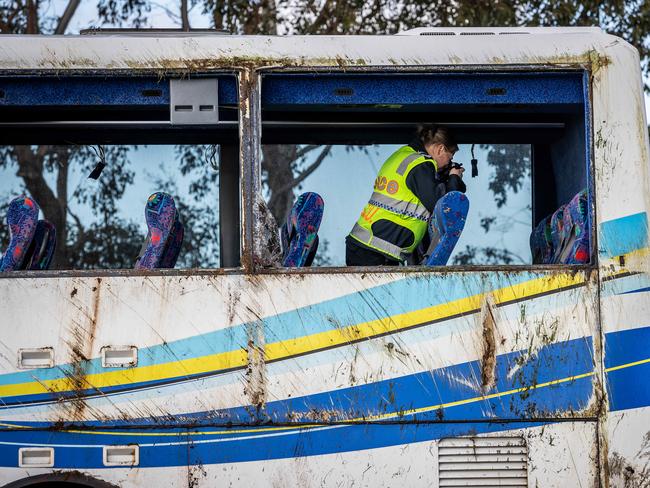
(432, 134)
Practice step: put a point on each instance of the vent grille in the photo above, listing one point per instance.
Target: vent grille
(484, 462)
(438, 33)
(477, 33)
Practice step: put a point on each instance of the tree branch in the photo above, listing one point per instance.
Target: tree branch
(66, 17)
(312, 167)
(81, 235)
(320, 19)
(185, 20)
(305, 150)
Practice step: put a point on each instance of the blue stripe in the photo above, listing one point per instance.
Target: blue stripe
(104, 91)
(420, 89)
(300, 443)
(630, 387)
(621, 348)
(624, 235)
(459, 382)
(405, 295)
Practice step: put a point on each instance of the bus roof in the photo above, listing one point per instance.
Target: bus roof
(561, 46)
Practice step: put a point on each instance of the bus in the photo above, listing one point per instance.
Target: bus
(506, 366)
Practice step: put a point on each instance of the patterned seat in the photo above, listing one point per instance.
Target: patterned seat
(41, 250)
(445, 227)
(165, 236)
(22, 217)
(541, 244)
(563, 237)
(299, 234)
(574, 248)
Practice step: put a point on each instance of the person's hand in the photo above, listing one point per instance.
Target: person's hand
(457, 171)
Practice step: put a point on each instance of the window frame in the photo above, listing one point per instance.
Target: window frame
(101, 75)
(255, 131)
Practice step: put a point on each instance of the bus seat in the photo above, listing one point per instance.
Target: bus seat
(174, 244)
(161, 216)
(445, 227)
(41, 250)
(541, 244)
(22, 217)
(575, 231)
(563, 237)
(299, 234)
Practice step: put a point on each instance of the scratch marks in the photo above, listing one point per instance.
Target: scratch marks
(488, 322)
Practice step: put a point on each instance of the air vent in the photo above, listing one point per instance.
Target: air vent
(437, 33)
(119, 356)
(477, 33)
(513, 33)
(194, 102)
(35, 457)
(344, 92)
(483, 462)
(121, 455)
(35, 358)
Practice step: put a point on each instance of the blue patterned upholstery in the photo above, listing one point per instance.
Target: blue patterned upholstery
(299, 234)
(446, 225)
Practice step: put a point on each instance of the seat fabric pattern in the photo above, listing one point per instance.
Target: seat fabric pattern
(576, 232)
(541, 244)
(174, 244)
(41, 250)
(22, 216)
(563, 237)
(299, 234)
(160, 214)
(446, 226)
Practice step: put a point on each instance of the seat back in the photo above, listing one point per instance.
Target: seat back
(446, 225)
(541, 244)
(22, 217)
(575, 243)
(299, 234)
(165, 234)
(41, 250)
(563, 237)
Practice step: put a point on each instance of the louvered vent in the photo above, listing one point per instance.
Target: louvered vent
(484, 462)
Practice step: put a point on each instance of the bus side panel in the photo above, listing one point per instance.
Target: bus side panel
(236, 369)
(543, 454)
(622, 181)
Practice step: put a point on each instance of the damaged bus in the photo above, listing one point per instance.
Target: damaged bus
(209, 356)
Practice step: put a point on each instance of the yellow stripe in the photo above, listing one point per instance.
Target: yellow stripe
(292, 347)
(628, 365)
(402, 413)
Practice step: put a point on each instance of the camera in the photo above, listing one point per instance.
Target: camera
(455, 165)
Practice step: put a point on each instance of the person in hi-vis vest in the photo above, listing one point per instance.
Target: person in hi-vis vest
(395, 219)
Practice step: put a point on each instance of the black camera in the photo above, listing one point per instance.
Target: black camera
(455, 165)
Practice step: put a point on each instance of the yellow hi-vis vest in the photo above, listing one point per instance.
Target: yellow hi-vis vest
(392, 200)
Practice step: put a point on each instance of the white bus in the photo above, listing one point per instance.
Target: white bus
(233, 370)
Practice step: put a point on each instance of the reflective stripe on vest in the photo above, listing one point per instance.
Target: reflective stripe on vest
(367, 238)
(393, 201)
(408, 209)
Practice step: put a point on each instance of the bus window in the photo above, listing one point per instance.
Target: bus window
(124, 181)
(330, 134)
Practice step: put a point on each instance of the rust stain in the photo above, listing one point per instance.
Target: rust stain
(82, 336)
(489, 357)
(255, 375)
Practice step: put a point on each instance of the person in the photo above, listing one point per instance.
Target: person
(409, 183)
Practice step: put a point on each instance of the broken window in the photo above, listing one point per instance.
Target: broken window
(329, 134)
(129, 172)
